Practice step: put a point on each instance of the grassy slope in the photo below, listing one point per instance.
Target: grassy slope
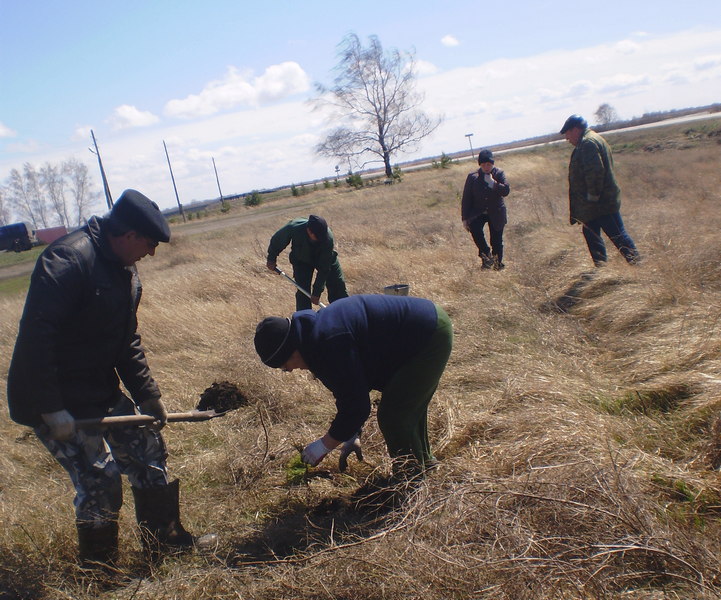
(573, 442)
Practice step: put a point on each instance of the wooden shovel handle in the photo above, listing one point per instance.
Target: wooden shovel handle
(193, 415)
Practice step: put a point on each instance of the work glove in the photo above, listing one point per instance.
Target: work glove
(352, 446)
(155, 408)
(314, 452)
(61, 424)
(488, 178)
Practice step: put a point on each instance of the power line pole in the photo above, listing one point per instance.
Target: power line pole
(106, 187)
(468, 135)
(180, 206)
(217, 180)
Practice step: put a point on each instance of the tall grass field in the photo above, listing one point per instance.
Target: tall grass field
(575, 423)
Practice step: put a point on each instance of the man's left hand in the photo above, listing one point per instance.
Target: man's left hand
(352, 446)
(155, 408)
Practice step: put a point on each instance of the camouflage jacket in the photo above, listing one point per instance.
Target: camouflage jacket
(592, 188)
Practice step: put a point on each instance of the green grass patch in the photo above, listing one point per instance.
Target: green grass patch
(14, 285)
(646, 402)
(8, 259)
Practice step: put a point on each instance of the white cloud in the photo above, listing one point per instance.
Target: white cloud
(623, 82)
(424, 67)
(450, 41)
(126, 117)
(82, 132)
(627, 47)
(239, 90)
(707, 62)
(6, 132)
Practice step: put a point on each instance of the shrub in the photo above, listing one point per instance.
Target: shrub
(224, 206)
(253, 199)
(354, 180)
(294, 190)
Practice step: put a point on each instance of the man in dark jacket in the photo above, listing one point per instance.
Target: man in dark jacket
(311, 249)
(77, 341)
(593, 192)
(483, 203)
(394, 344)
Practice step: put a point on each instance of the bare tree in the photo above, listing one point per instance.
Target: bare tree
(51, 179)
(374, 98)
(36, 195)
(5, 213)
(20, 199)
(81, 189)
(606, 114)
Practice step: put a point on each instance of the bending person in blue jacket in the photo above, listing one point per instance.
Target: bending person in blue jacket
(397, 345)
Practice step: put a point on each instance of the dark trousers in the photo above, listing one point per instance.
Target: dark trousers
(612, 226)
(335, 283)
(403, 409)
(476, 227)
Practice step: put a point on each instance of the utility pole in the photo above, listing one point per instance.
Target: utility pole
(468, 135)
(106, 187)
(217, 180)
(180, 206)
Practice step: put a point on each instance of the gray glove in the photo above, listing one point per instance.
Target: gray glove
(352, 446)
(155, 408)
(61, 424)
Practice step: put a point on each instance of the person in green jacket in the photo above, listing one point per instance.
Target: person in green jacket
(311, 249)
(593, 192)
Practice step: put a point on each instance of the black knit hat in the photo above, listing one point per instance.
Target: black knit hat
(485, 156)
(274, 341)
(139, 213)
(574, 121)
(319, 227)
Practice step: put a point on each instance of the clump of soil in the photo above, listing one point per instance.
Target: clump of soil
(221, 397)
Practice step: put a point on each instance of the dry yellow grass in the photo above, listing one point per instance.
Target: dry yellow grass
(573, 420)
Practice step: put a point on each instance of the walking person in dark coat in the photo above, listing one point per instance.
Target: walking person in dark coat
(593, 192)
(483, 203)
(394, 344)
(311, 249)
(76, 342)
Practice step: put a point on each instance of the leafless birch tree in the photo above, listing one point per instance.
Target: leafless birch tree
(373, 98)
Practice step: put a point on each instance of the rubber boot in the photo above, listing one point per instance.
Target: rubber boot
(98, 546)
(157, 510)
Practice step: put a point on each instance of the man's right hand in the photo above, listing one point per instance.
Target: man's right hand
(271, 265)
(61, 424)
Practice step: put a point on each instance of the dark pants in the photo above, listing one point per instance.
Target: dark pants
(335, 283)
(403, 409)
(476, 227)
(612, 226)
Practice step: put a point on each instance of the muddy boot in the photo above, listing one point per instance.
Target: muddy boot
(486, 261)
(98, 546)
(158, 513)
(498, 263)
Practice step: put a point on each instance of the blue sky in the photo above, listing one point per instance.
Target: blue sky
(230, 80)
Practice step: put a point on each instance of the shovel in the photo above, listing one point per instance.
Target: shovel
(192, 415)
(216, 401)
(293, 281)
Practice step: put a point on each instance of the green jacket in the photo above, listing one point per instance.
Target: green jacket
(592, 188)
(320, 255)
